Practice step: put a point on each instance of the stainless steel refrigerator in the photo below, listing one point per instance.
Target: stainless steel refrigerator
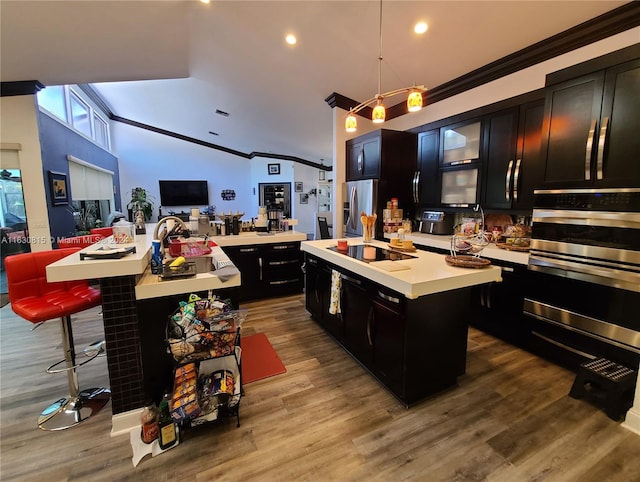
(361, 196)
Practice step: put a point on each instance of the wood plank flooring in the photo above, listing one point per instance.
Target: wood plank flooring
(326, 419)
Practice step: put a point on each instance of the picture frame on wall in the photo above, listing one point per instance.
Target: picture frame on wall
(298, 187)
(59, 188)
(273, 169)
(304, 198)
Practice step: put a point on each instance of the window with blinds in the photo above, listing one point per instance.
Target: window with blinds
(89, 182)
(91, 193)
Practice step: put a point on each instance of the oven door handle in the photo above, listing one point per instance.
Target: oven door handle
(589, 154)
(601, 142)
(563, 346)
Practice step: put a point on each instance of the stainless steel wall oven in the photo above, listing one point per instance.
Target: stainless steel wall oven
(584, 291)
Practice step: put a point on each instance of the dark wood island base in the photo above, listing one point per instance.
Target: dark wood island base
(413, 347)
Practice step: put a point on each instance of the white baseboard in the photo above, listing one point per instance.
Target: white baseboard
(123, 423)
(632, 420)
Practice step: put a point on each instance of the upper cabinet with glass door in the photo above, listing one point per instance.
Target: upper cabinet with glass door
(460, 144)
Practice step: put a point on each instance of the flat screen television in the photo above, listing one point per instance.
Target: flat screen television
(184, 193)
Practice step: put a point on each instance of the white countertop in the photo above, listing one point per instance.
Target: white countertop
(490, 252)
(73, 268)
(138, 264)
(251, 238)
(428, 272)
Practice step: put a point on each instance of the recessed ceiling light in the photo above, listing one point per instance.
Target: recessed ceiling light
(205, 1)
(291, 39)
(420, 28)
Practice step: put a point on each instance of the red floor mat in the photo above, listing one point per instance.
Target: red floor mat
(259, 359)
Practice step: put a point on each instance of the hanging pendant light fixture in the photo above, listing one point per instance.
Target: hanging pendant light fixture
(378, 115)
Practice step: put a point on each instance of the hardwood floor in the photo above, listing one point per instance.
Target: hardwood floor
(326, 419)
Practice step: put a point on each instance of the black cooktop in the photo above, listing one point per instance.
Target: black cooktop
(357, 251)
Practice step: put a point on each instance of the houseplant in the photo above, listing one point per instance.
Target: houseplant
(141, 200)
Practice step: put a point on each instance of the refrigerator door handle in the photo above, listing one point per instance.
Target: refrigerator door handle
(353, 200)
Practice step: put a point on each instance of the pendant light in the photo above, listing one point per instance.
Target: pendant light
(378, 115)
(414, 100)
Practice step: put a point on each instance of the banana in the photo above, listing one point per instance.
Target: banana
(176, 263)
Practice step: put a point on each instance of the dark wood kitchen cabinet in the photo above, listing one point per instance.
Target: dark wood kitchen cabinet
(425, 185)
(318, 297)
(266, 270)
(386, 155)
(363, 157)
(591, 125)
(386, 338)
(499, 306)
(247, 260)
(282, 268)
(513, 167)
(357, 313)
(413, 347)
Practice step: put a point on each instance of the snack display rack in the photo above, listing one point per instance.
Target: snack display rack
(203, 337)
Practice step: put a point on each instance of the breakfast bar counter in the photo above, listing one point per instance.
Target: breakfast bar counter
(136, 306)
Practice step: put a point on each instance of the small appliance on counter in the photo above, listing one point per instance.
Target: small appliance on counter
(436, 222)
(275, 217)
(261, 220)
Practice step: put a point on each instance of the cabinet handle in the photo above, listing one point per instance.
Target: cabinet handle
(282, 246)
(457, 163)
(489, 295)
(280, 263)
(283, 282)
(260, 266)
(352, 280)
(392, 299)
(516, 176)
(369, 326)
(507, 179)
(361, 160)
(587, 159)
(414, 185)
(601, 141)
(248, 250)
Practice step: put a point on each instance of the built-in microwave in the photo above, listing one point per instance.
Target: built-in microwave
(459, 186)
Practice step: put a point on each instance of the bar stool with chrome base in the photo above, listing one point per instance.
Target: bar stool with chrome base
(36, 300)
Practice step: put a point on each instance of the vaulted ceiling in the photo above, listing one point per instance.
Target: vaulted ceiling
(172, 64)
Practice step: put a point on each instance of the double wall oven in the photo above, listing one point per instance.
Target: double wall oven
(584, 297)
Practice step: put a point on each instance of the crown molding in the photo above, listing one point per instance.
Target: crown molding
(617, 20)
(21, 87)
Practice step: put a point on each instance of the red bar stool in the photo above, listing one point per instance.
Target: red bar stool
(36, 300)
(105, 232)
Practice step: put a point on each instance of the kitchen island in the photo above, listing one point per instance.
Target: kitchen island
(404, 320)
(136, 306)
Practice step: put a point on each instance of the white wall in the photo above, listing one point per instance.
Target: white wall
(19, 125)
(181, 160)
(184, 160)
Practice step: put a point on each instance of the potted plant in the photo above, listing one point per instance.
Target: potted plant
(141, 200)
